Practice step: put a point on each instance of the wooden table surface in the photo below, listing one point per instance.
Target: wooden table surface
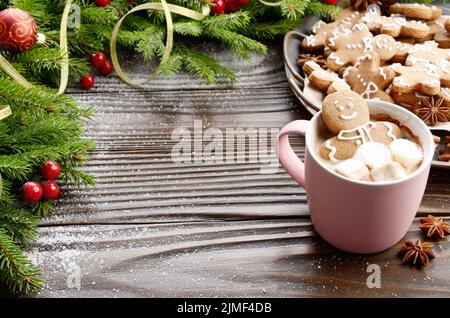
(153, 227)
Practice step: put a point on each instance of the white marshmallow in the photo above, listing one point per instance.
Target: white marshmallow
(407, 153)
(373, 154)
(390, 171)
(353, 169)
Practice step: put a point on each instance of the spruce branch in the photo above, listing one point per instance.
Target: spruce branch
(205, 67)
(18, 224)
(16, 270)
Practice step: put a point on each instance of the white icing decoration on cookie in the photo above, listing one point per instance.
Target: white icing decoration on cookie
(316, 26)
(332, 150)
(336, 59)
(383, 74)
(390, 129)
(349, 117)
(310, 41)
(363, 131)
(367, 44)
(370, 89)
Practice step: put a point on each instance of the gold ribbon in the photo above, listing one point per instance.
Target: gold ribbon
(168, 9)
(271, 4)
(63, 47)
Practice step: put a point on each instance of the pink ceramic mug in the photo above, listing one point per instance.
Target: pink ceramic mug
(357, 216)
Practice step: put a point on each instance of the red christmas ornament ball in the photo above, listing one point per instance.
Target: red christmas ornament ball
(51, 170)
(87, 81)
(102, 3)
(330, 2)
(32, 192)
(50, 190)
(218, 8)
(18, 30)
(98, 60)
(107, 68)
(231, 6)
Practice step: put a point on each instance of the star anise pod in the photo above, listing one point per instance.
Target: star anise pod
(362, 5)
(433, 110)
(434, 227)
(319, 59)
(417, 253)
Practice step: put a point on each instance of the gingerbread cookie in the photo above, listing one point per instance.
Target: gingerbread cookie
(345, 145)
(423, 77)
(395, 25)
(346, 114)
(427, 52)
(416, 11)
(447, 24)
(407, 100)
(344, 111)
(368, 77)
(323, 79)
(316, 41)
(349, 45)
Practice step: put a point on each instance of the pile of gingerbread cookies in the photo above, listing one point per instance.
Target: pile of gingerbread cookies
(402, 57)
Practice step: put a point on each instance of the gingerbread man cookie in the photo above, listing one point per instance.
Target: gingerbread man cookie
(416, 11)
(428, 52)
(346, 114)
(316, 41)
(368, 77)
(395, 25)
(422, 77)
(349, 45)
(323, 79)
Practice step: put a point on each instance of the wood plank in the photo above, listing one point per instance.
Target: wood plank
(154, 227)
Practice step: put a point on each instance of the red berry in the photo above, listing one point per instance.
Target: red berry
(51, 170)
(330, 2)
(231, 5)
(32, 192)
(107, 68)
(50, 190)
(87, 81)
(102, 3)
(242, 2)
(218, 8)
(98, 60)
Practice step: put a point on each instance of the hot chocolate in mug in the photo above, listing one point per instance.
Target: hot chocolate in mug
(357, 216)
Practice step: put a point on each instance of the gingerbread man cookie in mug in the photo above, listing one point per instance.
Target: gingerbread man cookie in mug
(346, 114)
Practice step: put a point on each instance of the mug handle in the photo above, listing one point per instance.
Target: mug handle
(286, 156)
